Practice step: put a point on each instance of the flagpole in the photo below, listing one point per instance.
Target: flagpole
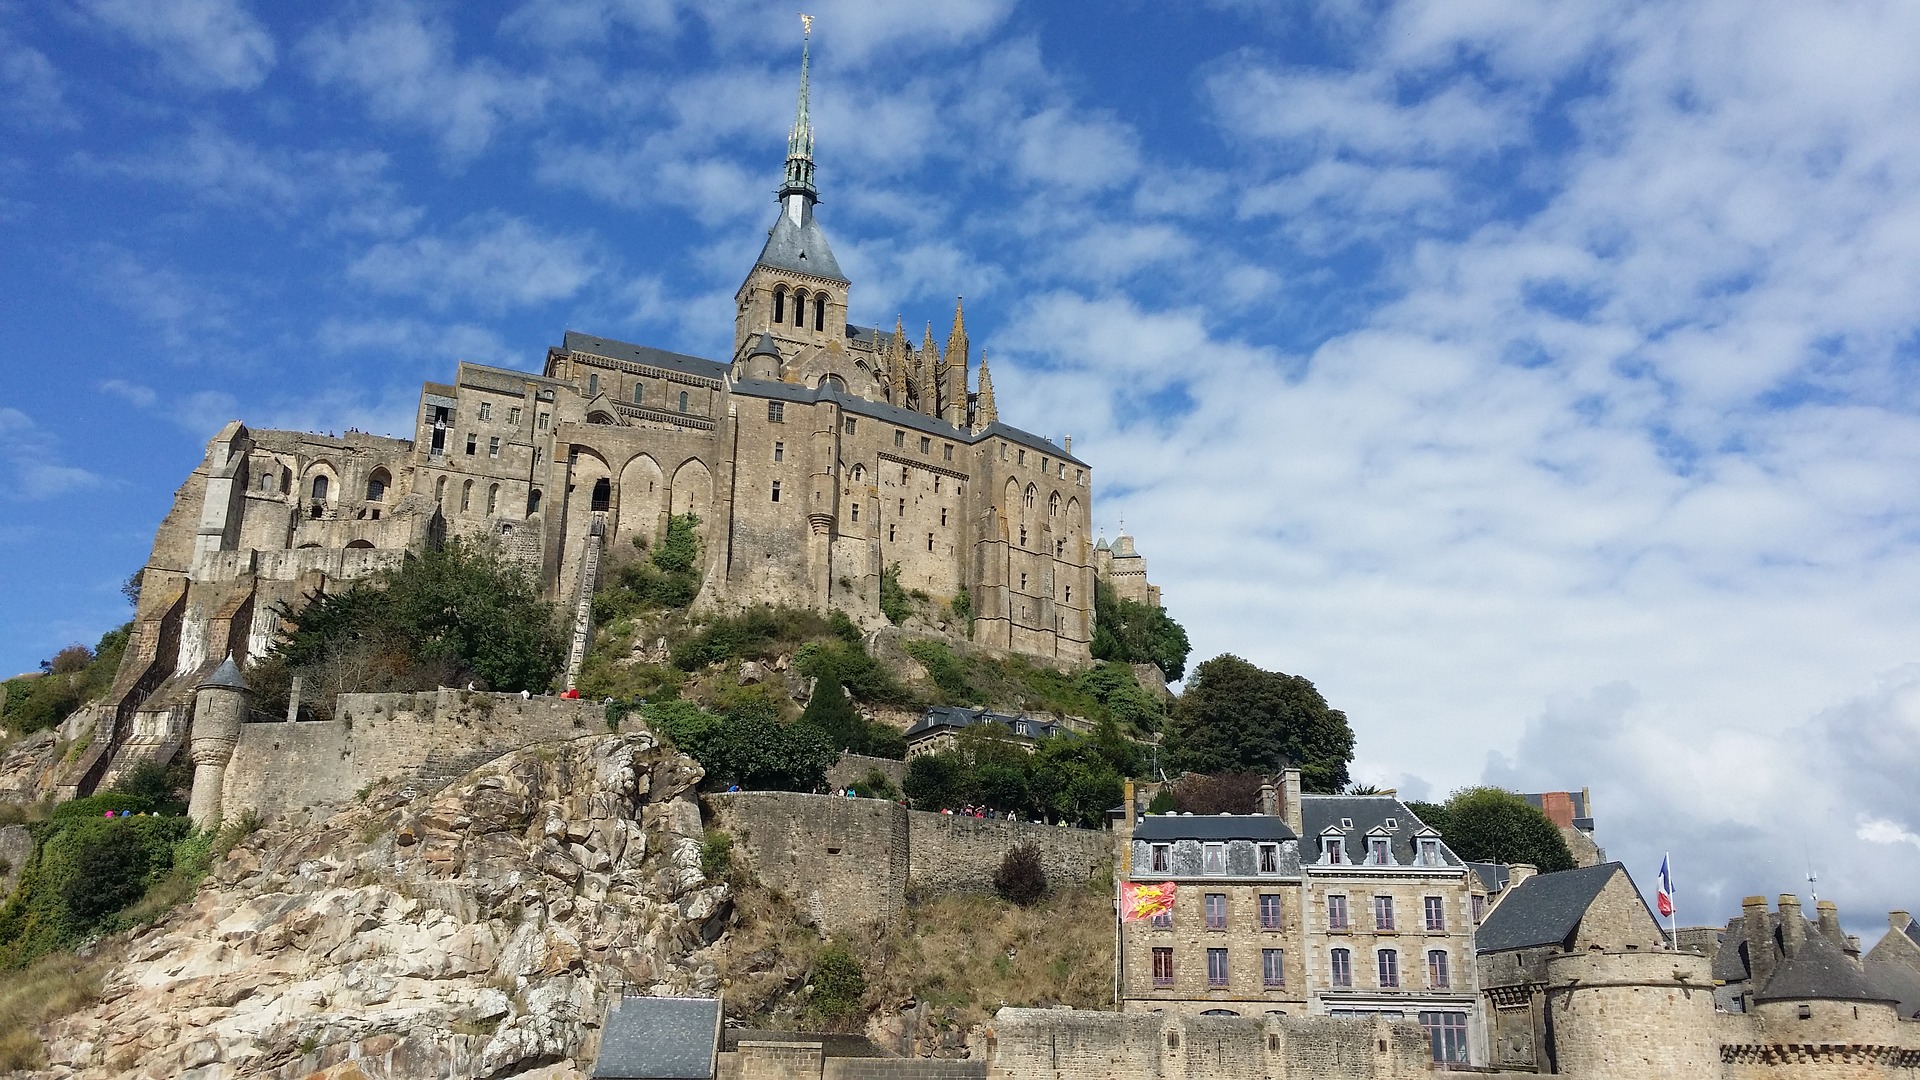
(1673, 905)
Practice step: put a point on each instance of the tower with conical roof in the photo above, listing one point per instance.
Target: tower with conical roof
(795, 292)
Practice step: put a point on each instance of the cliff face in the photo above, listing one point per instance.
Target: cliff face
(472, 932)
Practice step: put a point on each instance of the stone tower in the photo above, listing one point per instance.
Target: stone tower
(219, 707)
(1632, 1015)
(795, 292)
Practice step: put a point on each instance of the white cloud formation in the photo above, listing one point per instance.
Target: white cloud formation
(32, 456)
(491, 262)
(32, 92)
(203, 44)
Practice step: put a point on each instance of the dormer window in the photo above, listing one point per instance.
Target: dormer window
(1269, 858)
(1379, 851)
(1213, 859)
(1429, 851)
(1161, 858)
(1333, 849)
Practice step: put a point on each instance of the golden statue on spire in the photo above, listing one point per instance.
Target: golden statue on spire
(806, 24)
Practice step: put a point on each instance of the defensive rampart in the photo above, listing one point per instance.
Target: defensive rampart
(436, 736)
(1064, 1044)
(848, 862)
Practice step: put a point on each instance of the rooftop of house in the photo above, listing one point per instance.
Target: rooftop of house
(1544, 909)
(1167, 828)
(1358, 818)
(946, 718)
(659, 1038)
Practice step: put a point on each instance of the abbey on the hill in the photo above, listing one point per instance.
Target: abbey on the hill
(819, 455)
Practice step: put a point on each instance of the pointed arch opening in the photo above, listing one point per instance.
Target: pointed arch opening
(377, 485)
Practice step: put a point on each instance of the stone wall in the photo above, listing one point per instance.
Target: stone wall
(1632, 1015)
(853, 768)
(436, 735)
(1061, 1044)
(808, 1061)
(848, 862)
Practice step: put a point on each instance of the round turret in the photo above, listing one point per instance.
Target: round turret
(219, 707)
(1632, 1015)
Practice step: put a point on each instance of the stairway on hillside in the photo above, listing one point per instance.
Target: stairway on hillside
(583, 606)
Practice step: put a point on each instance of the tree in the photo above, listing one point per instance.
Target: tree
(1225, 793)
(1235, 716)
(1135, 633)
(1021, 879)
(1487, 824)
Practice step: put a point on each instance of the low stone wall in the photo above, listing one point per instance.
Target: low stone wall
(435, 736)
(807, 1061)
(852, 769)
(1064, 1044)
(849, 862)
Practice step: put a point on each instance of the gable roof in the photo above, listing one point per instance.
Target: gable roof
(1164, 828)
(659, 1038)
(1491, 874)
(1544, 909)
(1321, 814)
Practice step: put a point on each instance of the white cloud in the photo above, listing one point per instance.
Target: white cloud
(203, 44)
(1882, 831)
(32, 456)
(140, 397)
(403, 63)
(490, 261)
(32, 92)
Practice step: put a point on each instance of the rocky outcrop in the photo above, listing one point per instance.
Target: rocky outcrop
(476, 931)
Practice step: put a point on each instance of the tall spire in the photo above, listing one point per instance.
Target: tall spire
(984, 412)
(954, 376)
(897, 350)
(799, 180)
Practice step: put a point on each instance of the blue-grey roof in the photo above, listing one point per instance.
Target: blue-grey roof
(1028, 439)
(1492, 874)
(659, 1038)
(938, 717)
(1319, 813)
(1820, 970)
(1545, 909)
(887, 412)
(801, 248)
(765, 346)
(227, 677)
(1163, 828)
(643, 354)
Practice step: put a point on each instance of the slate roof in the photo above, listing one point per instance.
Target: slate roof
(1318, 813)
(940, 717)
(643, 354)
(1897, 981)
(1544, 909)
(659, 1038)
(801, 248)
(1819, 970)
(1165, 828)
(227, 676)
(765, 346)
(889, 413)
(1492, 874)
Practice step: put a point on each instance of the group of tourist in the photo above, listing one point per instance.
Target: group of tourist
(986, 812)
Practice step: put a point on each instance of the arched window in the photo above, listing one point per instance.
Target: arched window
(466, 496)
(800, 308)
(780, 304)
(602, 494)
(683, 401)
(533, 501)
(493, 498)
(440, 492)
(320, 489)
(377, 485)
(1053, 505)
(820, 311)
(639, 393)
(1032, 493)
(859, 473)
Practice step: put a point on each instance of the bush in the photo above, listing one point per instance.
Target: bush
(1221, 793)
(894, 603)
(748, 746)
(829, 712)
(945, 669)
(716, 855)
(1021, 879)
(1487, 824)
(876, 786)
(158, 786)
(755, 634)
(85, 869)
(70, 678)
(962, 606)
(1136, 633)
(838, 984)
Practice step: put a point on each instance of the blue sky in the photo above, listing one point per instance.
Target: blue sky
(1538, 379)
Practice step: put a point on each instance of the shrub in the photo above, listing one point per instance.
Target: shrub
(875, 785)
(894, 603)
(838, 984)
(1221, 793)
(946, 670)
(962, 606)
(716, 855)
(1021, 879)
(159, 786)
(1136, 633)
(85, 870)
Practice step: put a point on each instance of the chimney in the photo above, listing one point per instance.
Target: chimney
(1760, 955)
(1828, 916)
(1898, 921)
(1793, 925)
(1269, 800)
(1519, 872)
(1290, 809)
(1123, 836)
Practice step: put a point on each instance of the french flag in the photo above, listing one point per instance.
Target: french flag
(1664, 897)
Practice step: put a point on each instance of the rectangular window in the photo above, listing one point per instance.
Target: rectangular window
(542, 424)
(943, 515)
(513, 416)
(1213, 858)
(1273, 968)
(889, 534)
(1023, 583)
(779, 451)
(856, 511)
(936, 485)
(1437, 976)
(929, 541)
(946, 451)
(776, 491)
(1079, 478)
(1269, 853)
(1044, 465)
(1162, 858)
(493, 446)
(1163, 921)
(1023, 458)
(1342, 967)
(777, 412)
(486, 410)
(1436, 914)
(926, 444)
(1216, 968)
(1378, 852)
(473, 443)
(1269, 911)
(1336, 913)
(1479, 909)
(1216, 910)
(1446, 1036)
(849, 425)
(1383, 913)
(536, 456)
(899, 438)
(1069, 594)
(1389, 968)
(1163, 967)
(1003, 451)
(593, 385)
(903, 508)
(1333, 849)
(1429, 852)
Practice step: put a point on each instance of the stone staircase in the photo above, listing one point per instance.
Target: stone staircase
(583, 606)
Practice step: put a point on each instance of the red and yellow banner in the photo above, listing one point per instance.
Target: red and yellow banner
(1143, 900)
